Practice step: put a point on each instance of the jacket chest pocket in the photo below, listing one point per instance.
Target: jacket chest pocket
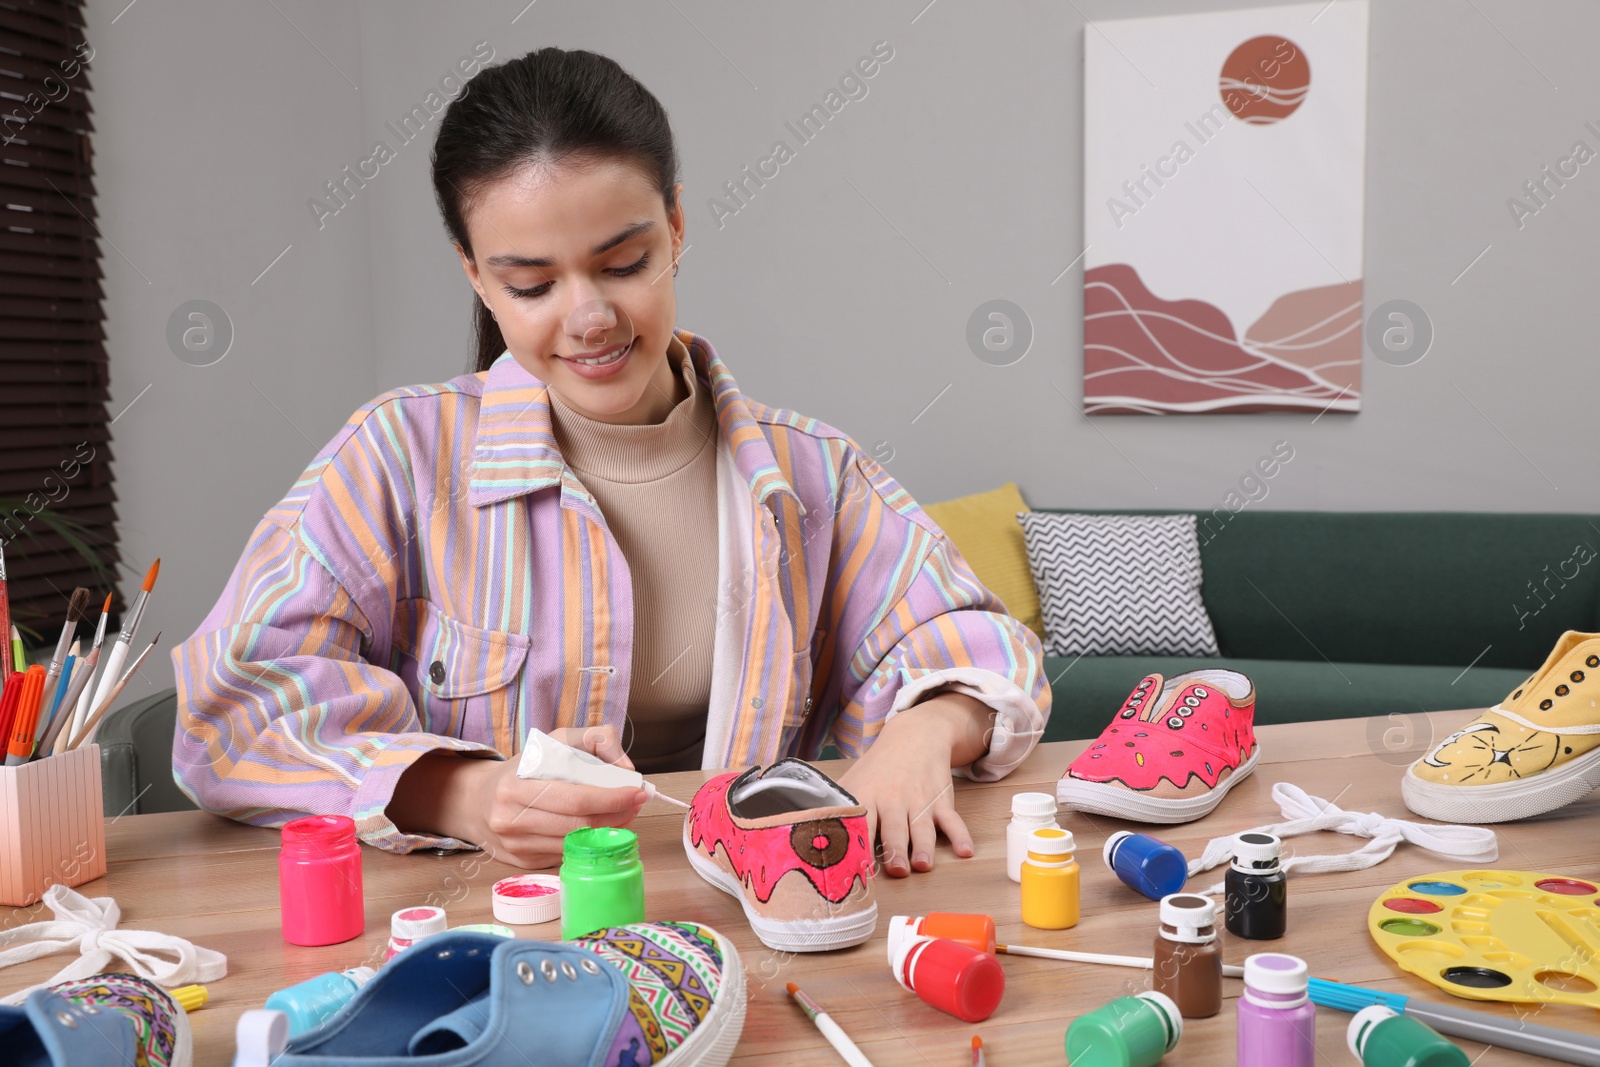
(459, 676)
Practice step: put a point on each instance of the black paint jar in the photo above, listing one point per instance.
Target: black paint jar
(1257, 900)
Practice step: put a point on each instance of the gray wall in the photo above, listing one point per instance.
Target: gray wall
(843, 289)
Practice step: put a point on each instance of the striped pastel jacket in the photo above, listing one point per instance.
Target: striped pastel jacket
(439, 578)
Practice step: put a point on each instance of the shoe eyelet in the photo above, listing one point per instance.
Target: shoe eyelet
(1128, 714)
(89, 1009)
(1577, 676)
(445, 953)
(548, 969)
(1186, 711)
(1592, 661)
(1199, 692)
(1545, 705)
(1562, 690)
(1191, 702)
(589, 965)
(65, 1019)
(1175, 722)
(525, 972)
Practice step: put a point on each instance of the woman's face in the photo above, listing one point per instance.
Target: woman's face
(575, 260)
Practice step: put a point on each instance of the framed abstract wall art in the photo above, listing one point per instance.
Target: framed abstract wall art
(1224, 159)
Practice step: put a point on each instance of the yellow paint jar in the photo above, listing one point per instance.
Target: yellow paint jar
(1050, 880)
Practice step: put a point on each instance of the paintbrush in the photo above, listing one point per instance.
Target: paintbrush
(62, 728)
(77, 608)
(1145, 962)
(82, 736)
(119, 648)
(80, 713)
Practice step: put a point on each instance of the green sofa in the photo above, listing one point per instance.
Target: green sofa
(1343, 614)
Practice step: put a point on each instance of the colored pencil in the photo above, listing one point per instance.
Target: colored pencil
(56, 692)
(831, 1030)
(55, 739)
(19, 658)
(7, 664)
(1228, 969)
(119, 648)
(8, 703)
(21, 745)
(87, 733)
(80, 713)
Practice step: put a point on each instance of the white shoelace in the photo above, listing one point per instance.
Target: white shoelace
(1473, 845)
(90, 926)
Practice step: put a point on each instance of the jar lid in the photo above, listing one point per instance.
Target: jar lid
(413, 924)
(527, 899)
(1050, 841)
(1035, 805)
(1277, 973)
(1188, 913)
(1170, 1015)
(1256, 847)
(1362, 1025)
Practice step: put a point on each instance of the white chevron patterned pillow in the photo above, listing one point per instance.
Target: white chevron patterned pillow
(1118, 585)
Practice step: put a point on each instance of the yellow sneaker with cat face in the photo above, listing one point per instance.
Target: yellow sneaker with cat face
(1535, 751)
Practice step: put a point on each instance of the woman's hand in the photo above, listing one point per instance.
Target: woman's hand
(904, 779)
(521, 821)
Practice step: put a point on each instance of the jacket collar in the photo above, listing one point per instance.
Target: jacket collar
(515, 451)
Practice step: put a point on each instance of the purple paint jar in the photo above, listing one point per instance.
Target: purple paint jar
(1277, 1021)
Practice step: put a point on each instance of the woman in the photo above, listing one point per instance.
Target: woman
(596, 533)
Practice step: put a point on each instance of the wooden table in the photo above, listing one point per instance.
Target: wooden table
(215, 882)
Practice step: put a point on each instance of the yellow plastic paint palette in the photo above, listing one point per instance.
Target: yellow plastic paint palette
(1518, 936)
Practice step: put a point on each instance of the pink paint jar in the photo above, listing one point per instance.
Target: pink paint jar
(319, 881)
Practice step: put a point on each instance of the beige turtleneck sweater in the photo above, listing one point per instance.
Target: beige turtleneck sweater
(656, 486)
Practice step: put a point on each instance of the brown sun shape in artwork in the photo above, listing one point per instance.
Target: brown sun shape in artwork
(1265, 80)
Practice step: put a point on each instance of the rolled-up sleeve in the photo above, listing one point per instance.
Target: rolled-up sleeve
(919, 620)
(279, 714)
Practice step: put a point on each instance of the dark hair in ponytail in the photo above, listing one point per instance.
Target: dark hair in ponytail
(546, 107)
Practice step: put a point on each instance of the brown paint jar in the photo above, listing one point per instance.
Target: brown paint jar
(1188, 955)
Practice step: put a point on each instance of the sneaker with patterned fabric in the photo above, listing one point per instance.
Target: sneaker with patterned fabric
(662, 994)
(1535, 751)
(110, 1020)
(1174, 749)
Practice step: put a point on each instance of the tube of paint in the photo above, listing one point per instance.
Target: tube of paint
(976, 931)
(1381, 1037)
(1131, 1031)
(1151, 867)
(314, 1001)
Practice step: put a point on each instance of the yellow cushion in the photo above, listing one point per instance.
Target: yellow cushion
(985, 529)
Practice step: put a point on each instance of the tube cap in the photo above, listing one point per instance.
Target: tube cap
(527, 899)
(1275, 972)
(901, 929)
(1188, 913)
(1365, 1021)
(1257, 848)
(1049, 841)
(413, 924)
(1036, 805)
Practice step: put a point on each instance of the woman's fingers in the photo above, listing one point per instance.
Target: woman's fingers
(894, 835)
(955, 828)
(570, 798)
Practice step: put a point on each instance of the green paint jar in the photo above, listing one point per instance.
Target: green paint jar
(1379, 1035)
(602, 880)
(1131, 1031)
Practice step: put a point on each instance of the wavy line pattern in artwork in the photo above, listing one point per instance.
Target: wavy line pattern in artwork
(1145, 355)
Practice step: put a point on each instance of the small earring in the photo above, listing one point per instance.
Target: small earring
(674, 268)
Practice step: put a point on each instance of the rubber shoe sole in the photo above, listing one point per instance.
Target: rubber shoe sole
(1120, 802)
(1504, 801)
(791, 935)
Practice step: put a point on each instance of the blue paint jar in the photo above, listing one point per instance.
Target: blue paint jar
(1151, 867)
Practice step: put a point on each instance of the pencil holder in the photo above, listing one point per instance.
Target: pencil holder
(52, 825)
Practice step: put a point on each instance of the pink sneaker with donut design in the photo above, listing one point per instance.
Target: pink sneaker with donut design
(791, 846)
(1174, 749)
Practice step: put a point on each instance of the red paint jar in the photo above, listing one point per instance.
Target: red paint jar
(955, 978)
(319, 881)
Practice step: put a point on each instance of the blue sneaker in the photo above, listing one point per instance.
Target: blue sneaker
(109, 1020)
(643, 995)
